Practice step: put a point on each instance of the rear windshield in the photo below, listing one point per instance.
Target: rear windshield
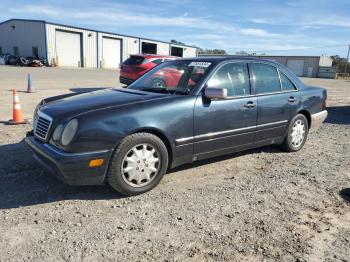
(134, 60)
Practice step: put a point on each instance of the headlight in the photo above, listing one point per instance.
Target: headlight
(57, 134)
(69, 132)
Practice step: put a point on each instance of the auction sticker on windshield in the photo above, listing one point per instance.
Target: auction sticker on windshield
(200, 64)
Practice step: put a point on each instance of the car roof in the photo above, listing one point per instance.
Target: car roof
(154, 56)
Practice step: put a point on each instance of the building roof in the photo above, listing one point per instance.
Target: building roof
(212, 58)
(93, 30)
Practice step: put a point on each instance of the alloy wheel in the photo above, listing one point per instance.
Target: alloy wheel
(140, 165)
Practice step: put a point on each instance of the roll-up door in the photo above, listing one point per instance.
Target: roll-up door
(296, 65)
(68, 48)
(111, 52)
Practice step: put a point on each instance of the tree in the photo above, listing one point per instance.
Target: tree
(339, 63)
(206, 51)
(173, 41)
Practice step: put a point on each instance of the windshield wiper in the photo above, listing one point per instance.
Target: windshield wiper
(182, 91)
(155, 90)
(179, 90)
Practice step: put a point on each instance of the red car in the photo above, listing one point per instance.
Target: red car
(137, 65)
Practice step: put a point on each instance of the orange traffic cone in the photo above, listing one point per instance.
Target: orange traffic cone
(17, 115)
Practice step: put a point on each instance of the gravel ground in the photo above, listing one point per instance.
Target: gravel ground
(259, 205)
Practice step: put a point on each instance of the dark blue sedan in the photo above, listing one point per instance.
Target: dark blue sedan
(179, 112)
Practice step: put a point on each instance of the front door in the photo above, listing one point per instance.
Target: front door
(228, 124)
(278, 102)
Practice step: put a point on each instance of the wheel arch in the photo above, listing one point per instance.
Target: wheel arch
(158, 133)
(307, 115)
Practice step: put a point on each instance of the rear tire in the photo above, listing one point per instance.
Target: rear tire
(138, 164)
(296, 134)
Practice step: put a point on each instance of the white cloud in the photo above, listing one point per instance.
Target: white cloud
(105, 16)
(310, 21)
(257, 32)
(273, 30)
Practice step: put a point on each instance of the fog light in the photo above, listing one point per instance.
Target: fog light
(96, 162)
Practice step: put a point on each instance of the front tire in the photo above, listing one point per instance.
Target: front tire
(296, 134)
(138, 164)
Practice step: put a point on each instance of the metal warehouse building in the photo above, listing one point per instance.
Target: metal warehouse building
(308, 66)
(71, 46)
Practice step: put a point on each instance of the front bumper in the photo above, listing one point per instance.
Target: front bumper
(317, 119)
(71, 168)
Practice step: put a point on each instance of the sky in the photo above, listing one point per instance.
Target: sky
(299, 27)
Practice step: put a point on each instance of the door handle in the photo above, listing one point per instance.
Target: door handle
(249, 104)
(291, 99)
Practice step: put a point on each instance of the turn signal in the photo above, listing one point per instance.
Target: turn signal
(96, 162)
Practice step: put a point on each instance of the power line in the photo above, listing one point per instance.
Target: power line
(347, 60)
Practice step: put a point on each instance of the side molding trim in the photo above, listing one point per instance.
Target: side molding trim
(191, 139)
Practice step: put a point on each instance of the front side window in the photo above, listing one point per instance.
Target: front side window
(266, 79)
(234, 77)
(286, 83)
(175, 77)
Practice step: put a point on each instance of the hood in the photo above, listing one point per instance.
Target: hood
(91, 101)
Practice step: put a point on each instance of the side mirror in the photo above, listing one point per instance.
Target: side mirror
(215, 93)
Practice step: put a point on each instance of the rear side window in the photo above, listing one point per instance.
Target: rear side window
(134, 60)
(286, 83)
(234, 77)
(266, 79)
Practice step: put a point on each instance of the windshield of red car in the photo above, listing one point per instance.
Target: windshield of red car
(174, 77)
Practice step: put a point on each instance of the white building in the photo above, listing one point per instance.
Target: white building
(71, 46)
(307, 66)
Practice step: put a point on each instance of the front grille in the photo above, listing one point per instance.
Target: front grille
(42, 124)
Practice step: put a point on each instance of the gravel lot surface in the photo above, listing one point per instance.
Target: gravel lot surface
(259, 205)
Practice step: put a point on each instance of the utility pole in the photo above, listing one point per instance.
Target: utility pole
(347, 60)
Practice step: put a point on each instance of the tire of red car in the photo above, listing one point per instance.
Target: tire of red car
(158, 83)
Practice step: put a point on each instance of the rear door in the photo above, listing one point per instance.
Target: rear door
(277, 101)
(222, 125)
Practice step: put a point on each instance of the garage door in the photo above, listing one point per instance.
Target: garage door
(111, 52)
(68, 48)
(296, 65)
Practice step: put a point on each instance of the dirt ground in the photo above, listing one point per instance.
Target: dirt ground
(258, 205)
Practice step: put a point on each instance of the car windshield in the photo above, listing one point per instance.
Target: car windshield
(173, 77)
